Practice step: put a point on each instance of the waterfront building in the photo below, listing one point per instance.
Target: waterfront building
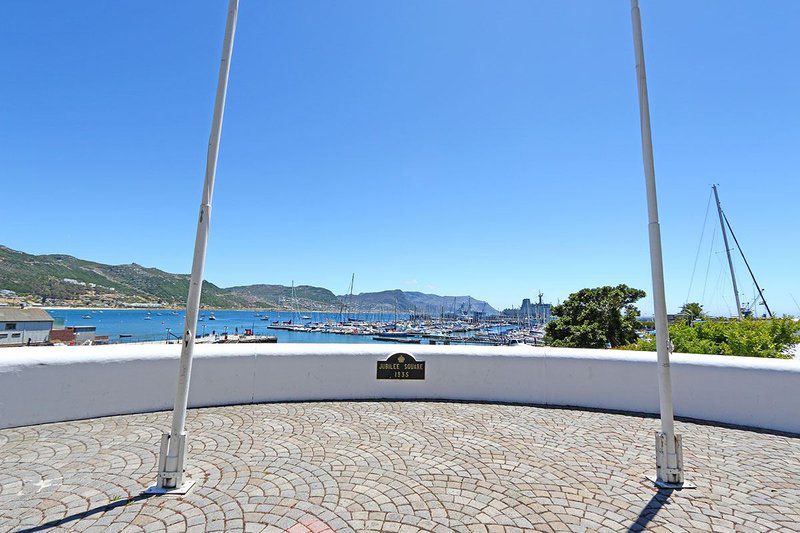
(83, 334)
(21, 326)
(77, 335)
(539, 313)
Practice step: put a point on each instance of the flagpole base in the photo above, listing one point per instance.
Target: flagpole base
(685, 484)
(171, 478)
(669, 466)
(183, 488)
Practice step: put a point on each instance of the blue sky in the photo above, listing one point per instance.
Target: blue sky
(485, 148)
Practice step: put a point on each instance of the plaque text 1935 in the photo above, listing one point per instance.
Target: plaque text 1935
(401, 366)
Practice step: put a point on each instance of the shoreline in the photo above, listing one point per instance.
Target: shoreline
(84, 308)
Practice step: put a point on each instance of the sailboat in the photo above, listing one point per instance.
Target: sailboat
(345, 307)
(294, 305)
(725, 227)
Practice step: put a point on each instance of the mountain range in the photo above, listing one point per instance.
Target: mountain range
(433, 304)
(59, 279)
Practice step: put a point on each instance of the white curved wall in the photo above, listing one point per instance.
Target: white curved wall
(50, 384)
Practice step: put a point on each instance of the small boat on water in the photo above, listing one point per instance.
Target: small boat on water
(394, 334)
(212, 317)
(87, 317)
(397, 339)
(125, 335)
(305, 317)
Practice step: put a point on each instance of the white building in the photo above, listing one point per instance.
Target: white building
(20, 326)
(84, 334)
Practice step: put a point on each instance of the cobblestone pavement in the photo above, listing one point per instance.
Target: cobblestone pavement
(395, 466)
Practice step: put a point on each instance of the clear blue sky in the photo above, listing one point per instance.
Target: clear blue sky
(485, 148)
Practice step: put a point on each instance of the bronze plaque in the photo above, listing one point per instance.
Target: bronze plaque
(401, 366)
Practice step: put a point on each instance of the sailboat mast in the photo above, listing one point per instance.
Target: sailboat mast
(350, 299)
(294, 303)
(753, 276)
(728, 252)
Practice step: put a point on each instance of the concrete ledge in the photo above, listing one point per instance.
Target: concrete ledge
(50, 384)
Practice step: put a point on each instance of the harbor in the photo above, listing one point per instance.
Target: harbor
(226, 326)
(495, 331)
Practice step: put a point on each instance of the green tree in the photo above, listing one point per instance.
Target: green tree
(594, 318)
(691, 311)
(753, 338)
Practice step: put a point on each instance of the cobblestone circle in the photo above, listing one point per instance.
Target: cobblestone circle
(397, 467)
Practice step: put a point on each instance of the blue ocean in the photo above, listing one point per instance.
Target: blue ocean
(140, 325)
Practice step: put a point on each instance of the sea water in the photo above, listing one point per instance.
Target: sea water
(140, 325)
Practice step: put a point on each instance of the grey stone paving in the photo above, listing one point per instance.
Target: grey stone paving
(398, 467)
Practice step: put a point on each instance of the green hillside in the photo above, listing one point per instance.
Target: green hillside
(57, 279)
(279, 296)
(65, 280)
(408, 301)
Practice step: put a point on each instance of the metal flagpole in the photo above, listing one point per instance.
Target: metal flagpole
(669, 455)
(173, 444)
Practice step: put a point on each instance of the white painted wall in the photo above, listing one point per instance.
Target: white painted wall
(37, 332)
(50, 384)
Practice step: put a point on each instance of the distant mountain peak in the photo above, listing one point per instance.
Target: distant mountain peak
(408, 301)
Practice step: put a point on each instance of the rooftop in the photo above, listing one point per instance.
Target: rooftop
(395, 466)
(27, 314)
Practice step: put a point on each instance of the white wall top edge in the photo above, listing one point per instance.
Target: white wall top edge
(59, 355)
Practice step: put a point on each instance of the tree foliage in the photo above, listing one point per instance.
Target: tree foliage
(595, 318)
(692, 311)
(751, 337)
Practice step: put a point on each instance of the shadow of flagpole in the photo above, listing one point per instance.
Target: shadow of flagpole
(651, 509)
(62, 522)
